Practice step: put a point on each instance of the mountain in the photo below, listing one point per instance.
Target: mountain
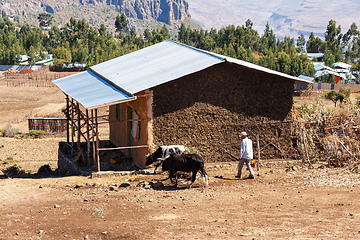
(285, 17)
(140, 13)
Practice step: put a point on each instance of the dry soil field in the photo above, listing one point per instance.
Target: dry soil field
(285, 201)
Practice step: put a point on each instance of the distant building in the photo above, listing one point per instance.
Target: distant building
(318, 56)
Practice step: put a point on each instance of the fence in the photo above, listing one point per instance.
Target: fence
(48, 125)
(330, 86)
(39, 78)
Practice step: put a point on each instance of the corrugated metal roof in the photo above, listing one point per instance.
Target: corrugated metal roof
(306, 78)
(90, 90)
(154, 65)
(144, 69)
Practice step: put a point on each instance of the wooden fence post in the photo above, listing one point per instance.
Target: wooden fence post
(258, 148)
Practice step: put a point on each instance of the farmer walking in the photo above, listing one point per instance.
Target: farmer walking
(246, 154)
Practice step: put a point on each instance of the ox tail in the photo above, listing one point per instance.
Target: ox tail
(205, 176)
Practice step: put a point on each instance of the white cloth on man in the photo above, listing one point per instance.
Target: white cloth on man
(246, 154)
(246, 150)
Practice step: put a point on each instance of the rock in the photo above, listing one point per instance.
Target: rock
(141, 184)
(112, 188)
(157, 185)
(124, 185)
(57, 206)
(78, 185)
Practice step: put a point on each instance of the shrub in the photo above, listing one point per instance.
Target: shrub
(12, 132)
(346, 91)
(36, 133)
(2, 132)
(9, 160)
(357, 101)
(13, 170)
(20, 136)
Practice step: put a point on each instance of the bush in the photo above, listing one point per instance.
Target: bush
(13, 170)
(2, 132)
(357, 101)
(9, 160)
(346, 91)
(36, 133)
(12, 132)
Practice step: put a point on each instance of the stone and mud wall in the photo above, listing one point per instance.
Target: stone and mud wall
(207, 110)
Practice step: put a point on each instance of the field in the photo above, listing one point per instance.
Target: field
(285, 200)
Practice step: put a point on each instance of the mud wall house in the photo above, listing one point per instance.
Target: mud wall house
(170, 93)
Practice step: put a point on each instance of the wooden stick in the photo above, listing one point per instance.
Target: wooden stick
(97, 142)
(115, 148)
(93, 137)
(230, 154)
(258, 148)
(306, 151)
(87, 138)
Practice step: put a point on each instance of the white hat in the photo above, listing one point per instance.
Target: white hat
(243, 134)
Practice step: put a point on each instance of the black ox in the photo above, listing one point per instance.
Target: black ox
(163, 152)
(184, 163)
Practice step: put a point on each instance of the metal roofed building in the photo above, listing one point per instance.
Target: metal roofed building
(127, 85)
(143, 69)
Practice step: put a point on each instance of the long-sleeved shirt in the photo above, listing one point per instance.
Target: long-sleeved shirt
(246, 150)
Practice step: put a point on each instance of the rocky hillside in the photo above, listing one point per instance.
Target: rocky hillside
(140, 13)
(286, 18)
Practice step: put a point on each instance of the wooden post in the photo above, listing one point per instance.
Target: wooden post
(78, 126)
(88, 138)
(72, 123)
(97, 141)
(258, 148)
(93, 136)
(306, 151)
(72, 126)
(68, 120)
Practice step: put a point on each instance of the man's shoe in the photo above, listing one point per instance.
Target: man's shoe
(251, 177)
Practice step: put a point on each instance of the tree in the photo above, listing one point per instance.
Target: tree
(63, 56)
(248, 23)
(45, 19)
(334, 96)
(314, 44)
(301, 43)
(121, 24)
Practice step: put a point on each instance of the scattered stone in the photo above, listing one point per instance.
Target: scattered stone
(112, 188)
(104, 233)
(124, 185)
(68, 185)
(141, 184)
(41, 231)
(79, 185)
(57, 206)
(157, 185)
(351, 214)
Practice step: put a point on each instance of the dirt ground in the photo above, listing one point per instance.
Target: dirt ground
(284, 201)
